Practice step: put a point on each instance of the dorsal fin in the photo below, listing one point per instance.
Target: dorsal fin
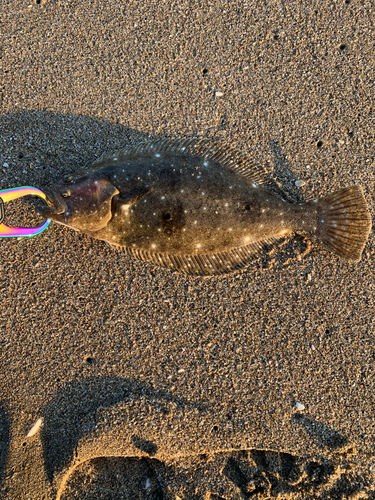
(212, 150)
(205, 264)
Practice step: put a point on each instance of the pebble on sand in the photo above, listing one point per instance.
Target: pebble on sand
(219, 94)
(300, 183)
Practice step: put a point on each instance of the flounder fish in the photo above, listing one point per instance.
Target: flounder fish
(198, 207)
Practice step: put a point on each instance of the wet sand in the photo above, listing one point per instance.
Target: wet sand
(156, 385)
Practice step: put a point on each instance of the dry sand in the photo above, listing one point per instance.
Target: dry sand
(153, 385)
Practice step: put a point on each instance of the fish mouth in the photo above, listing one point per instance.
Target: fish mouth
(58, 205)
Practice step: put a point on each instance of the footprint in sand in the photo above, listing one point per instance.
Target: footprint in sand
(114, 478)
(247, 474)
(106, 439)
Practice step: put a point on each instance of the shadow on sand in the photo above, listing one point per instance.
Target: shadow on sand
(325, 436)
(71, 414)
(4, 443)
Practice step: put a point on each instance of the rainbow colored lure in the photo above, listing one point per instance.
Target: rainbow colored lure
(18, 192)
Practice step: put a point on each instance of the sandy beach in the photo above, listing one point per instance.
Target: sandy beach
(123, 380)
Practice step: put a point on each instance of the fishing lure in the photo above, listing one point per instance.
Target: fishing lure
(7, 195)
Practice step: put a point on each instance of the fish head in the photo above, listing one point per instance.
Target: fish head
(84, 204)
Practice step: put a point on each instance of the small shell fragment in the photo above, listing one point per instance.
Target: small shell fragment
(300, 183)
(219, 94)
(300, 406)
(34, 429)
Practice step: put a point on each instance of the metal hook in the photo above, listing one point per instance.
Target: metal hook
(12, 194)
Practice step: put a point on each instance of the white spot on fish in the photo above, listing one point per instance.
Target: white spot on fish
(254, 186)
(157, 156)
(205, 164)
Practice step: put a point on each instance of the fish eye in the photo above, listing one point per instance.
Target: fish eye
(65, 193)
(167, 216)
(247, 207)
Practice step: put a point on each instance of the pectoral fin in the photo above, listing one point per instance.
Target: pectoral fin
(132, 197)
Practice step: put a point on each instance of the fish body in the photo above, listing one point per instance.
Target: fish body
(198, 207)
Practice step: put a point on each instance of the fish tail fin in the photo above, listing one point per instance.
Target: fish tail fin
(344, 222)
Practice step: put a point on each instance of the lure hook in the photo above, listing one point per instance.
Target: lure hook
(12, 194)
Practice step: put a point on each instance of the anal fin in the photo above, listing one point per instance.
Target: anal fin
(205, 264)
